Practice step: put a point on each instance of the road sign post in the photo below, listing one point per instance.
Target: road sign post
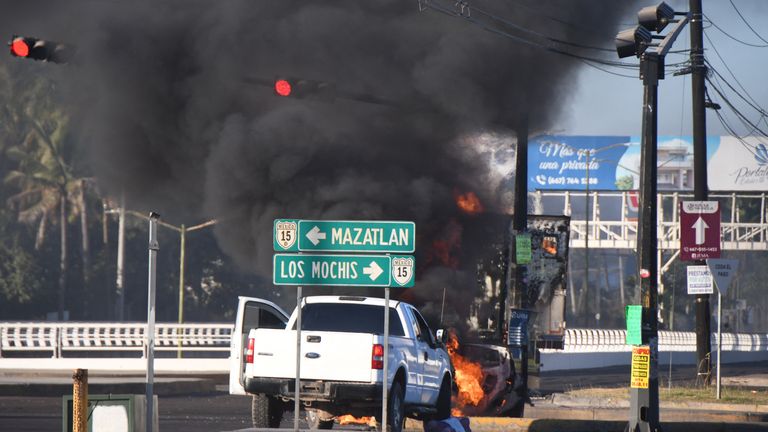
(722, 271)
(296, 235)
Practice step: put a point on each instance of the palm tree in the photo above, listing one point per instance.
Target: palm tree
(44, 180)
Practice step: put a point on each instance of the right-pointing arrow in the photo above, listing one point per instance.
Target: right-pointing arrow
(373, 270)
(700, 227)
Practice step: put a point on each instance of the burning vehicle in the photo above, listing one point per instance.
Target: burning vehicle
(485, 379)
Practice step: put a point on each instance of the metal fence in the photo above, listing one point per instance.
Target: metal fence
(61, 339)
(586, 340)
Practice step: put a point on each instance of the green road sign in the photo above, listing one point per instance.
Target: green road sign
(295, 235)
(344, 270)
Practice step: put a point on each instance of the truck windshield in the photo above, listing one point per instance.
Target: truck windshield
(349, 318)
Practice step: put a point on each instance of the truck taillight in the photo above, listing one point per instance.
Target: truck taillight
(377, 356)
(249, 351)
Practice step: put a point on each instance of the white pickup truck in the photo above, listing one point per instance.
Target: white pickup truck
(342, 355)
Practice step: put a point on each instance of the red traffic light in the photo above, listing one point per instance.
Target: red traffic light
(283, 87)
(19, 47)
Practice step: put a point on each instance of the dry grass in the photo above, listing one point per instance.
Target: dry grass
(734, 395)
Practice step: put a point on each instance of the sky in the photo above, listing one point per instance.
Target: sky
(171, 119)
(605, 104)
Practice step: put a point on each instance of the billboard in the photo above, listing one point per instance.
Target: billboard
(559, 162)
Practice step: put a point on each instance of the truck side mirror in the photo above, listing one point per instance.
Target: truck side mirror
(441, 335)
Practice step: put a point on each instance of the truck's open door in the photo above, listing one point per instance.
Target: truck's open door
(251, 313)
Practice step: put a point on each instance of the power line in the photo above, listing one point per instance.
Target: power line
(463, 10)
(735, 110)
(747, 23)
(734, 37)
(722, 60)
(748, 100)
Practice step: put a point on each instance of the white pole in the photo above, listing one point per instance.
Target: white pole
(297, 403)
(385, 371)
(719, 337)
(150, 336)
(120, 278)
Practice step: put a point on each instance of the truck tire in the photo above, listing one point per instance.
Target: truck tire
(443, 406)
(315, 422)
(444, 400)
(396, 408)
(266, 412)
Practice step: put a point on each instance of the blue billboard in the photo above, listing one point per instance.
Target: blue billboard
(573, 162)
(562, 162)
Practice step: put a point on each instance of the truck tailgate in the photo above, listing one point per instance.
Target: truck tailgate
(330, 356)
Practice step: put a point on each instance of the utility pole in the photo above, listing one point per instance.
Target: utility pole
(698, 74)
(519, 226)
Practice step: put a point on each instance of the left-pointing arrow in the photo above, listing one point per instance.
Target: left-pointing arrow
(315, 235)
(373, 270)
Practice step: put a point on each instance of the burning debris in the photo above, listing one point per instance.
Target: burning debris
(469, 203)
(347, 419)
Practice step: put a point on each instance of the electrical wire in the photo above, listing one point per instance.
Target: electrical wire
(746, 99)
(735, 110)
(590, 61)
(440, 8)
(722, 60)
(733, 37)
(747, 23)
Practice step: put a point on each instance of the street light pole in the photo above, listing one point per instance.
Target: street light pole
(644, 402)
(644, 390)
(586, 244)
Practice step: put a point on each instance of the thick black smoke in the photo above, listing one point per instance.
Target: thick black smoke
(169, 109)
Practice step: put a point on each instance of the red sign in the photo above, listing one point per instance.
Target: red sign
(699, 230)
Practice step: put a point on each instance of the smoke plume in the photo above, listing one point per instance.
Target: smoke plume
(170, 105)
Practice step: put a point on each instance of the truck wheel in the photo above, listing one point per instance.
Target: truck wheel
(443, 407)
(266, 412)
(314, 421)
(396, 408)
(444, 401)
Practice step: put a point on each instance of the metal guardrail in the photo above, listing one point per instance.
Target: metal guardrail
(66, 338)
(586, 340)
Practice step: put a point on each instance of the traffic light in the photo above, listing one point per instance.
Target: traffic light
(38, 49)
(304, 89)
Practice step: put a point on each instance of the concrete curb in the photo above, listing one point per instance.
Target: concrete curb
(480, 424)
(59, 387)
(565, 400)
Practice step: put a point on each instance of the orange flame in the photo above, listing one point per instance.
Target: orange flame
(469, 376)
(469, 203)
(349, 419)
